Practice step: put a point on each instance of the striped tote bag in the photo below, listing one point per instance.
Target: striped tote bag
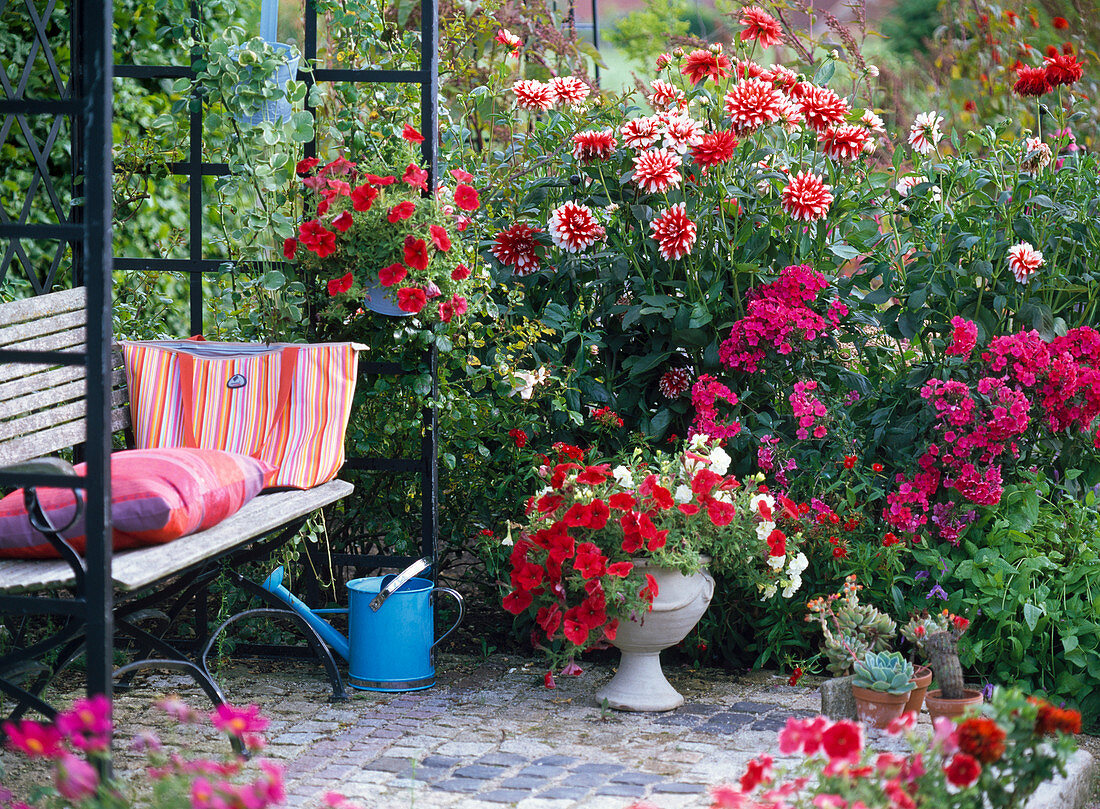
(284, 403)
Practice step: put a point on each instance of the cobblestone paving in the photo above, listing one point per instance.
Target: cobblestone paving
(488, 735)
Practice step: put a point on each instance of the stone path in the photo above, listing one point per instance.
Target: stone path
(489, 735)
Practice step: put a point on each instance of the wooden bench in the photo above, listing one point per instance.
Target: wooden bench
(42, 410)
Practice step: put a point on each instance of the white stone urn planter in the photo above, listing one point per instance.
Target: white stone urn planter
(640, 684)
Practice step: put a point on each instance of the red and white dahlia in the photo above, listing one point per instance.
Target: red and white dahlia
(674, 383)
(666, 96)
(641, 133)
(674, 232)
(656, 171)
(569, 90)
(593, 145)
(845, 142)
(761, 26)
(753, 103)
(925, 132)
(821, 107)
(807, 197)
(781, 76)
(574, 227)
(533, 95)
(681, 131)
(1024, 261)
(517, 247)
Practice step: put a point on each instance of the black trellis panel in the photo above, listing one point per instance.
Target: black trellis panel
(84, 232)
(194, 169)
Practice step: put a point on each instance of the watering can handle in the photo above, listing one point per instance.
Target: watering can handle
(461, 611)
(393, 583)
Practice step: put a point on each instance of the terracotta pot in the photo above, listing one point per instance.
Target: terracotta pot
(923, 679)
(639, 684)
(951, 708)
(878, 709)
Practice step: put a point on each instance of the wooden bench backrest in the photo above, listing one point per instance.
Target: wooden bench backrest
(42, 407)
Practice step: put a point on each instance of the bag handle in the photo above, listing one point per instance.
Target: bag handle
(288, 366)
(269, 20)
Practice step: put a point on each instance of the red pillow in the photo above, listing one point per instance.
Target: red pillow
(157, 495)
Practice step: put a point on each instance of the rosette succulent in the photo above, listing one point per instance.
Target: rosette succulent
(888, 672)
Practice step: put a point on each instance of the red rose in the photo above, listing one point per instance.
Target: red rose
(411, 299)
(391, 275)
(466, 197)
(342, 284)
(402, 210)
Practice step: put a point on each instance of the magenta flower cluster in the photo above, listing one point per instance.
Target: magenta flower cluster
(705, 394)
(778, 318)
(1021, 382)
(808, 409)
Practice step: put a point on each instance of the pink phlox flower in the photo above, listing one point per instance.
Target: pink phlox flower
(87, 724)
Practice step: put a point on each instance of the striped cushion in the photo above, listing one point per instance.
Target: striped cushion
(156, 496)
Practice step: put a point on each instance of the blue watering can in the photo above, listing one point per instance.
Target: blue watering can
(390, 627)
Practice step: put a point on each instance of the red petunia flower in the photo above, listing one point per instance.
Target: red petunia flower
(374, 179)
(416, 253)
(714, 148)
(392, 275)
(850, 461)
(466, 197)
(655, 171)
(440, 238)
(700, 65)
(415, 177)
(761, 26)
(1060, 23)
(753, 103)
(306, 165)
(593, 145)
(363, 197)
(460, 273)
(411, 299)
(533, 95)
(401, 211)
(674, 232)
(807, 197)
(290, 247)
(517, 247)
(317, 238)
(341, 284)
(574, 227)
(843, 741)
(1062, 68)
(343, 222)
(461, 175)
(1031, 81)
(411, 135)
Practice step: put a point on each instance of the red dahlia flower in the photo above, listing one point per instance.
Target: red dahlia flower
(569, 90)
(1062, 69)
(981, 738)
(714, 148)
(674, 383)
(593, 145)
(700, 65)
(1031, 81)
(753, 103)
(761, 26)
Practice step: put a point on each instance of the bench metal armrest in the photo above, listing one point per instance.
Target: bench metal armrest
(41, 521)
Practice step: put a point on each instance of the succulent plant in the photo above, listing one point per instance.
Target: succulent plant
(888, 672)
(851, 629)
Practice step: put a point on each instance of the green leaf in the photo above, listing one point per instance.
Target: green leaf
(273, 280)
(1069, 643)
(1032, 614)
(825, 72)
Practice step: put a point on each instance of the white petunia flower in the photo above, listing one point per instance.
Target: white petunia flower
(682, 494)
(720, 461)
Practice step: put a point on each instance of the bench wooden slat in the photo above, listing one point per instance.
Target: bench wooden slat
(40, 381)
(58, 414)
(47, 442)
(52, 396)
(11, 336)
(137, 569)
(68, 300)
(19, 370)
(75, 338)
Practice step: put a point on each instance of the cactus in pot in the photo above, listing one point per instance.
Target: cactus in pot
(886, 672)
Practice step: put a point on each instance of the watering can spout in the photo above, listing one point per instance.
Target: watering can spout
(274, 585)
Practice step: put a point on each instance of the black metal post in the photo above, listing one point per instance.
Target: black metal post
(93, 26)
